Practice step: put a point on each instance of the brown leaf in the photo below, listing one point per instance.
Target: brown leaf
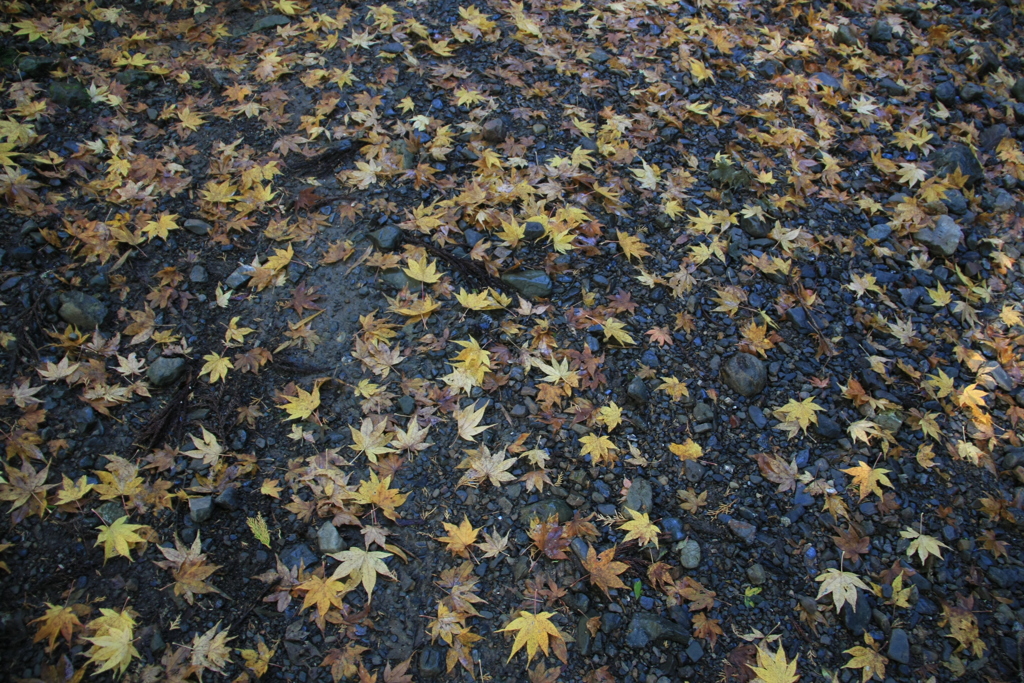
(604, 573)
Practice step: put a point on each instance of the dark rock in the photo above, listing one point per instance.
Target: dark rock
(600, 56)
(828, 80)
(827, 428)
(293, 555)
(270, 21)
(84, 311)
(955, 202)
(880, 32)
(943, 239)
(640, 495)
(694, 471)
(431, 662)
(971, 92)
(991, 136)
(958, 157)
(857, 619)
(899, 646)
(756, 574)
(646, 628)
(533, 284)
(892, 88)
(879, 233)
(533, 230)
(386, 238)
(165, 371)
(610, 621)
(135, 77)
(69, 94)
(945, 92)
(745, 374)
(494, 131)
(1018, 112)
(35, 66)
(694, 651)
(1018, 89)
(758, 418)
(239, 276)
(228, 498)
(673, 526)
(393, 48)
(845, 36)
(198, 274)
(638, 391)
(397, 279)
(583, 637)
(406, 405)
(200, 509)
(544, 509)
(689, 554)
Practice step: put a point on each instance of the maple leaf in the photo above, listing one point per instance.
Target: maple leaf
(599, 448)
(258, 661)
(690, 450)
(615, 330)
(469, 421)
(379, 492)
(640, 528)
(119, 538)
(493, 545)
(778, 471)
(303, 299)
(660, 336)
(422, 271)
(774, 667)
(370, 440)
(533, 631)
(706, 628)
(869, 479)
(610, 415)
(59, 620)
(302, 405)
(323, 593)
(484, 465)
(210, 651)
(632, 246)
(363, 566)
(842, 586)
(604, 573)
(868, 659)
(113, 634)
(161, 227)
(802, 414)
(923, 545)
(550, 538)
(459, 538)
(413, 438)
(189, 569)
(690, 501)
(216, 367)
(25, 490)
(207, 448)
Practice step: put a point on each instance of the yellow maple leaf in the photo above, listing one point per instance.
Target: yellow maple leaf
(112, 642)
(690, 450)
(119, 538)
(59, 620)
(610, 416)
(363, 566)
(161, 227)
(469, 421)
(842, 586)
(216, 367)
(640, 528)
(615, 330)
(599, 448)
(459, 538)
(302, 406)
(923, 545)
(534, 631)
(774, 667)
(870, 662)
(802, 413)
(869, 479)
(422, 270)
(631, 245)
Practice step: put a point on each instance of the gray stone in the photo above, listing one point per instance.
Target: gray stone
(533, 284)
(958, 157)
(270, 21)
(1018, 112)
(386, 238)
(971, 92)
(84, 311)
(943, 239)
(600, 56)
(689, 554)
(165, 371)
(745, 374)
(889, 421)
(694, 651)
(544, 509)
(200, 509)
(702, 412)
(197, 227)
(397, 279)
(945, 92)
(755, 574)
(198, 274)
(35, 66)
(1018, 89)
(393, 48)
(955, 202)
(431, 662)
(892, 88)
(297, 554)
(880, 32)
(583, 637)
(694, 471)
(533, 230)
(845, 36)
(406, 405)
(827, 80)
(673, 526)
(640, 495)
(899, 646)
(134, 77)
(228, 498)
(638, 391)
(1003, 201)
(329, 539)
(494, 131)
(646, 628)
(69, 94)
(743, 530)
(239, 276)
(880, 232)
